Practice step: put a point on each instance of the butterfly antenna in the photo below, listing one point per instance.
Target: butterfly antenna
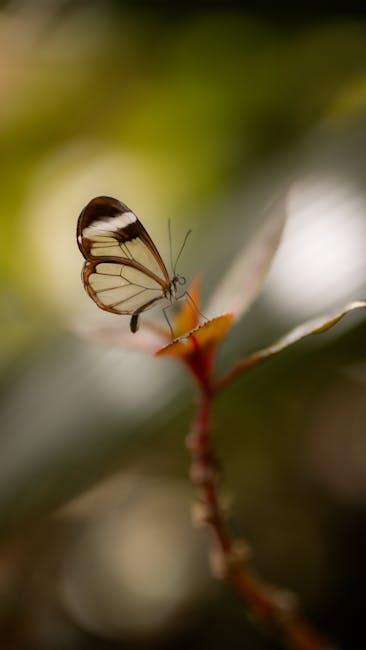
(170, 243)
(181, 250)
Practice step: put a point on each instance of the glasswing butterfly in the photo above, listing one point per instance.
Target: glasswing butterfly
(123, 271)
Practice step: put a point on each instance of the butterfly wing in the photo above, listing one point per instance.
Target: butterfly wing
(124, 272)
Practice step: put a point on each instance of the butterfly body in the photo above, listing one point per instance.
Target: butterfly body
(123, 271)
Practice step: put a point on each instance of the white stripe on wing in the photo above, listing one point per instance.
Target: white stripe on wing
(109, 225)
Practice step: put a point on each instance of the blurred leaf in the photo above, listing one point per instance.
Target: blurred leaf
(244, 280)
(313, 326)
(148, 339)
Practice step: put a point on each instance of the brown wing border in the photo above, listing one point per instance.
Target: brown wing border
(106, 207)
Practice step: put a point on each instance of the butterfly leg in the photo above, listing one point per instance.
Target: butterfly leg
(187, 295)
(168, 321)
(193, 304)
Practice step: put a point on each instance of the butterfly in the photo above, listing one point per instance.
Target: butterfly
(123, 271)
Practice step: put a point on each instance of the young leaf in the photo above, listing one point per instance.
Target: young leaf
(313, 326)
(244, 280)
(206, 336)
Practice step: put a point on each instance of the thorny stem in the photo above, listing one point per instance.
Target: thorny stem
(270, 606)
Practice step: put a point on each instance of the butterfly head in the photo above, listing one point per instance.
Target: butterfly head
(177, 281)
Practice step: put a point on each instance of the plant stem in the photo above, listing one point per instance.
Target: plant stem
(270, 606)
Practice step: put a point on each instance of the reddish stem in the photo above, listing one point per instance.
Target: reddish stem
(270, 606)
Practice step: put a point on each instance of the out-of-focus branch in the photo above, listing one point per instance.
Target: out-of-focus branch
(270, 606)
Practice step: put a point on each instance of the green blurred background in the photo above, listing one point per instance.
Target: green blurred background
(201, 113)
